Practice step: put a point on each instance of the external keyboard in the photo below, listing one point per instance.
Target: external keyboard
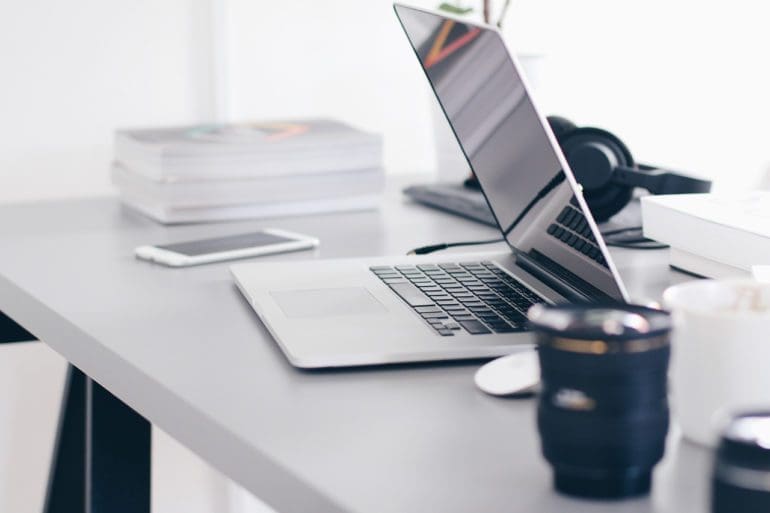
(477, 298)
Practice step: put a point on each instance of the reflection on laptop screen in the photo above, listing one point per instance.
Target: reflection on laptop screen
(509, 150)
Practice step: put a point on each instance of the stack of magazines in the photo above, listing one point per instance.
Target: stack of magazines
(220, 172)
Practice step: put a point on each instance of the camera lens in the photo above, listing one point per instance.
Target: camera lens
(603, 409)
(742, 470)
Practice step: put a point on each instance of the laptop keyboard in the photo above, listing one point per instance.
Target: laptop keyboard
(477, 298)
(571, 227)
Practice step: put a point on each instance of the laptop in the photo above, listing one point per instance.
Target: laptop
(369, 311)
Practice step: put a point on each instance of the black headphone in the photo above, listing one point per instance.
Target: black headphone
(604, 167)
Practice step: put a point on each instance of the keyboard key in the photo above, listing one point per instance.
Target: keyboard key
(516, 318)
(474, 327)
(411, 294)
(452, 326)
(445, 332)
(504, 329)
(435, 315)
(463, 317)
(427, 309)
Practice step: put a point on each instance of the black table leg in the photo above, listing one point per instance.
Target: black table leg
(117, 455)
(66, 481)
(12, 332)
(101, 460)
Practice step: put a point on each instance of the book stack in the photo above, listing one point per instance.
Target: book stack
(221, 172)
(712, 235)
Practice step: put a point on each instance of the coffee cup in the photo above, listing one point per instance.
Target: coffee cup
(720, 353)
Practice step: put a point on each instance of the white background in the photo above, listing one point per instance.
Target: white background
(684, 83)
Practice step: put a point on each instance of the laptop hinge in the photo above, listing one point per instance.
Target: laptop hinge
(558, 278)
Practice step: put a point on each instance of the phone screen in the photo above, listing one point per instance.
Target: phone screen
(231, 243)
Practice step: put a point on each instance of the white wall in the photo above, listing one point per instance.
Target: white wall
(73, 71)
(684, 83)
(341, 58)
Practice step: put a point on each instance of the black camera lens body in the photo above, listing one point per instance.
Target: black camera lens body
(603, 409)
(741, 481)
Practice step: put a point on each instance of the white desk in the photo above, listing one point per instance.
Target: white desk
(183, 349)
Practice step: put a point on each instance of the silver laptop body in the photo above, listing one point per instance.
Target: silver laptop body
(335, 313)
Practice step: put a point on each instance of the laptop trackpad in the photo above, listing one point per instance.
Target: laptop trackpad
(327, 302)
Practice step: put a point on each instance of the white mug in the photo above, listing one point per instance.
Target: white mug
(720, 361)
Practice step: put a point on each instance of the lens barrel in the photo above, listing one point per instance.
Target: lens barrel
(741, 482)
(603, 409)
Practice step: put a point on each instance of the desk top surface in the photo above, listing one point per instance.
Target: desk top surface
(184, 349)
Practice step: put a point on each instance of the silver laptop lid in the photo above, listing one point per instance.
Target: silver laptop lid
(513, 153)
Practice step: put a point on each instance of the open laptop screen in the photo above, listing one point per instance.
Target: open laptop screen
(510, 150)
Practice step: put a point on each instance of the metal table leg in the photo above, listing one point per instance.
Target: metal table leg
(101, 460)
(12, 332)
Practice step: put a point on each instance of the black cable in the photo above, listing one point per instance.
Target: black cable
(445, 245)
(621, 230)
(641, 243)
(630, 243)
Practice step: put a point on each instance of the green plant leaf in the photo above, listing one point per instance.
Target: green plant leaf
(454, 9)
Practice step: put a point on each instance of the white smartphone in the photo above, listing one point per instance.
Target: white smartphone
(264, 242)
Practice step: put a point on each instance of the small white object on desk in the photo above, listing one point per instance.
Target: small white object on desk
(515, 374)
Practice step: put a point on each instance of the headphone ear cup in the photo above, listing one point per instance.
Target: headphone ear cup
(561, 126)
(593, 155)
